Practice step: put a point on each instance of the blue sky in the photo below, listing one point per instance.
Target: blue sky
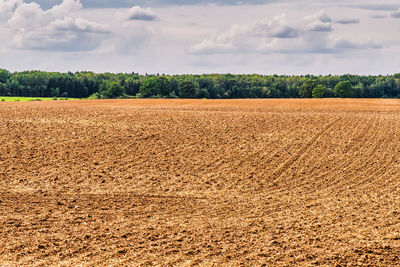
(201, 36)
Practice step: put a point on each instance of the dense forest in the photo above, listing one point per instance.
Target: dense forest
(134, 85)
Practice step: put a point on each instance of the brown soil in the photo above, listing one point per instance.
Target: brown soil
(186, 182)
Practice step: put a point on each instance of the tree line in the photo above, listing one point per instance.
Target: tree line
(215, 86)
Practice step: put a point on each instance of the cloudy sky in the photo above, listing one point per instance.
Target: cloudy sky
(201, 36)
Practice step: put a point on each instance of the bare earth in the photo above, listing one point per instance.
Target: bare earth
(200, 182)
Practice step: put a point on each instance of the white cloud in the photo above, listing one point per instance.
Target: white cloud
(319, 26)
(245, 37)
(320, 16)
(275, 28)
(77, 25)
(28, 16)
(313, 34)
(138, 13)
(55, 29)
(7, 8)
(319, 22)
(66, 7)
(32, 15)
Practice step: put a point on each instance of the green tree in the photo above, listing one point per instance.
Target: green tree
(132, 85)
(307, 88)
(83, 84)
(344, 90)
(164, 86)
(329, 92)
(318, 91)
(359, 90)
(150, 87)
(187, 89)
(111, 89)
(55, 92)
(390, 86)
(203, 93)
(4, 75)
(3, 89)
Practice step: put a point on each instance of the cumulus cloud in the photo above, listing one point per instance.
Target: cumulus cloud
(319, 22)
(347, 21)
(69, 24)
(138, 13)
(321, 16)
(313, 34)
(31, 15)
(54, 29)
(7, 8)
(275, 28)
(222, 43)
(28, 16)
(243, 37)
(318, 26)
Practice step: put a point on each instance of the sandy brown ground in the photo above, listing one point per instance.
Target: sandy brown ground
(195, 182)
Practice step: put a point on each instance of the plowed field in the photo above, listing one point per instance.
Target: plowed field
(186, 182)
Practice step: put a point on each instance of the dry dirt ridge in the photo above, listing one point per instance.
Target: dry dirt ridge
(200, 182)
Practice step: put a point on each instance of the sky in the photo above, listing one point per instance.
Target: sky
(201, 36)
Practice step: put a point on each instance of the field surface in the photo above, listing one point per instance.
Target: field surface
(200, 182)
